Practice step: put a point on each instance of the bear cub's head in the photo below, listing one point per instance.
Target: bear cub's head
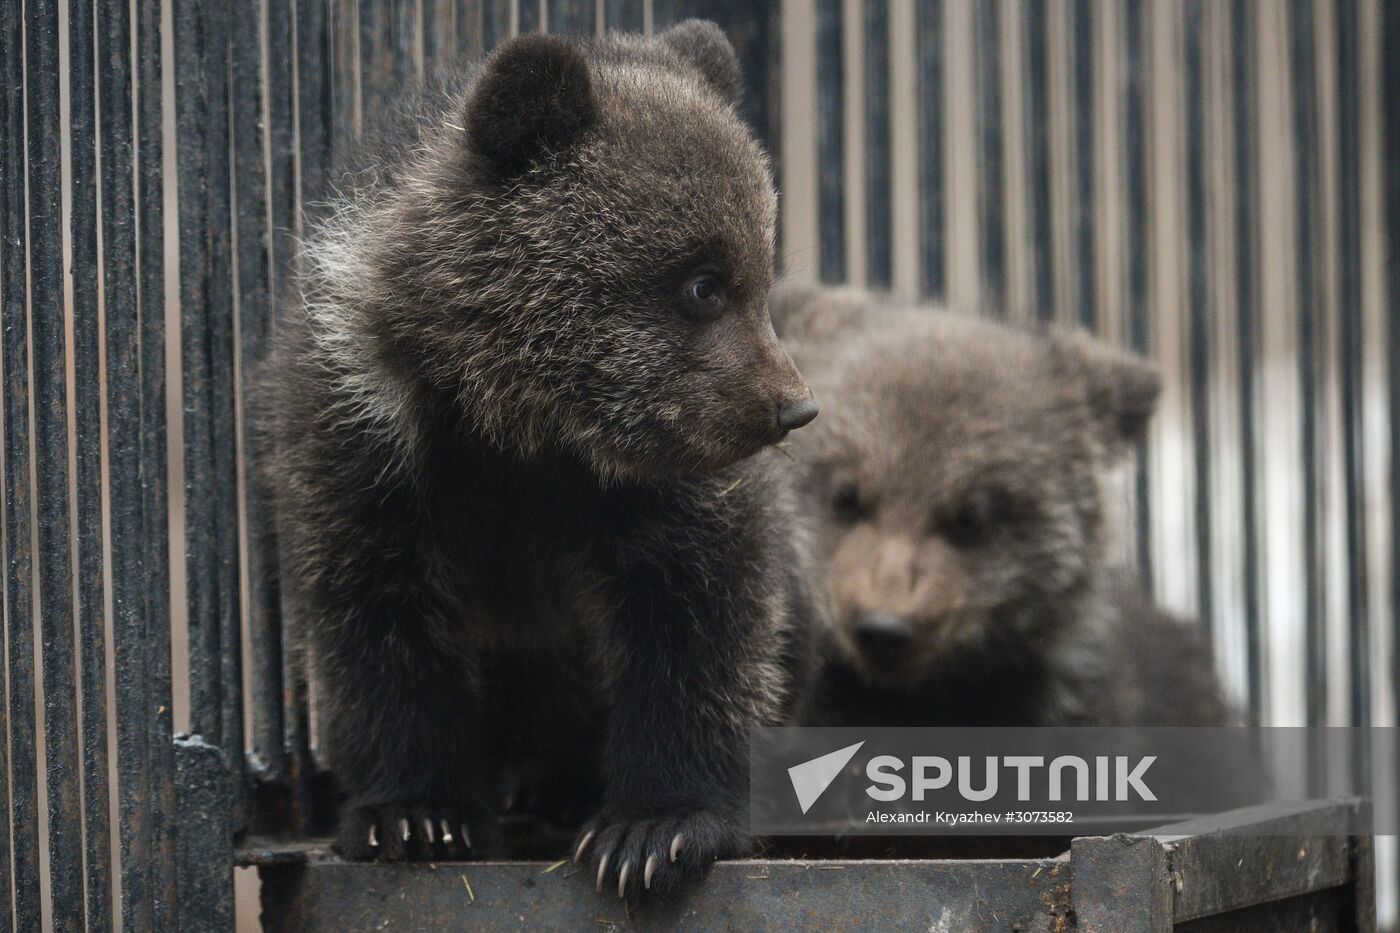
(580, 250)
(959, 476)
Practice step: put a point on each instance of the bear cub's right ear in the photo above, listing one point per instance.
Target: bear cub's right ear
(534, 96)
(706, 48)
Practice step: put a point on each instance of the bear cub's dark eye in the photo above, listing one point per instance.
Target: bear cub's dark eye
(845, 502)
(968, 526)
(702, 296)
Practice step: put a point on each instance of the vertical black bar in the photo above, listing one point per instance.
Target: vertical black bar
(495, 22)
(990, 215)
(1243, 120)
(281, 139)
(201, 97)
(572, 17)
(529, 18)
(1082, 46)
(87, 401)
(315, 111)
(1135, 223)
(406, 49)
(753, 30)
(122, 345)
(376, 55)
(157, 710)
(1035, 79)
(439, 36)
(831, 128)
(1390, 156)
(206, 845)
(1351, 339)
(344, 82)
(470, 29)
(11, 304)
(1312, 354)
(1200, 312)
(11, 167)
(264, 613)
(19, 551)
(876, 34)
(929, 48)
(49, 350)
(252, 274)
(221, 398)
(314, 116)
(624, 15)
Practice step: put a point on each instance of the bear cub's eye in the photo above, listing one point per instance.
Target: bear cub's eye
(702, 296)
(967, 527)
(845, 502)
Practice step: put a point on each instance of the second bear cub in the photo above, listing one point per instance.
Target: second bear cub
(959, 476)
(524, 515)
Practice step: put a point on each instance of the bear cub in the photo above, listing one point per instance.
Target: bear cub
(527, 519)
(958, 474)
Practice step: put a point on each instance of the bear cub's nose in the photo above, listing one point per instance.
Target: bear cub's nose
(794, 415)
(883, 633)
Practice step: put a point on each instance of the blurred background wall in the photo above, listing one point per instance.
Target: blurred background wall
(1202, 181)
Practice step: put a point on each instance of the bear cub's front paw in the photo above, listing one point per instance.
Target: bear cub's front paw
(657, 854)
(422, 831)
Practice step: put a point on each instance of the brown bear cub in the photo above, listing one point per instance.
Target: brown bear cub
(526, 523)
(958, 474)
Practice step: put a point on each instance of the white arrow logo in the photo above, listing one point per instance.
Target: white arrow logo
(811, 778)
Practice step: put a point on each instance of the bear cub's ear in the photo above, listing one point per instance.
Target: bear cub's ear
(705, 46)
(1121, 387)
(533, 96)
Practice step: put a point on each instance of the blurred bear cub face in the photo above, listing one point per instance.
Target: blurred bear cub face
(958, 474)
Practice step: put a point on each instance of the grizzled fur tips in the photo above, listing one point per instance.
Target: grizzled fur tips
(531, 536)
(958, 473)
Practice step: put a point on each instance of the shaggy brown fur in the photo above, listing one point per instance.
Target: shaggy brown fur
(527, 527)
(958, 472)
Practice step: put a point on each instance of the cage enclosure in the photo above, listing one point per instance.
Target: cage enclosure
(1201, 182)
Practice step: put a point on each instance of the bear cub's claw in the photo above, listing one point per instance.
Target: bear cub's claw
(411, 831)
(656, 854)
